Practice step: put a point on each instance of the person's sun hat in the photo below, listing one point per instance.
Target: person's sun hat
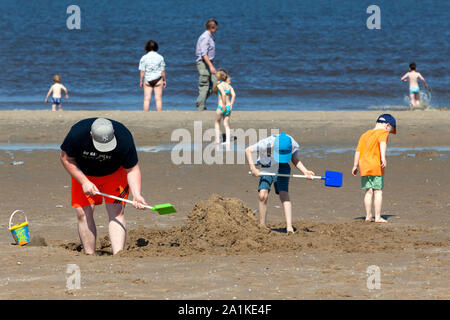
(387, 118)
(103, 135)
(282, 148)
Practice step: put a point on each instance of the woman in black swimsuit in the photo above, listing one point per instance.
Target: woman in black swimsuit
(152, 75)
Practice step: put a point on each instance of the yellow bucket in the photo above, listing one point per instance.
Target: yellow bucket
(20, 232)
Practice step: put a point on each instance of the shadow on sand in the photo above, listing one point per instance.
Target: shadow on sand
(384, 216)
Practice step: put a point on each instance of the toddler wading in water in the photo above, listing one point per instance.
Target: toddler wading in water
(414, 89)
(56, 89)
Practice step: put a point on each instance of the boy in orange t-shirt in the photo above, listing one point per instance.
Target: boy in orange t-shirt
(370, 157)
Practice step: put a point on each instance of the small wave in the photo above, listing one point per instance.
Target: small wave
(396, 108)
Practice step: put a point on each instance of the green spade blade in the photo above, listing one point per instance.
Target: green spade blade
(164, 208)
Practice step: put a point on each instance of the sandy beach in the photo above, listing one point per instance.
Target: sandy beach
(211, 248)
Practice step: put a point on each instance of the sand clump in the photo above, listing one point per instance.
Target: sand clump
(37, 241)
(226, 226)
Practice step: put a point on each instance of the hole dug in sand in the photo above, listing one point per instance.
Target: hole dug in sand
(226, 226)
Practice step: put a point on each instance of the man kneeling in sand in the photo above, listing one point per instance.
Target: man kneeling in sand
(100, 155)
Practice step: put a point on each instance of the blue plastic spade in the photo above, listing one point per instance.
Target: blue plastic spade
(332, 178)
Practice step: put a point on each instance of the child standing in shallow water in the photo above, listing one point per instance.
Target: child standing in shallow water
(370, 157)
(224, 90)
(56, 89)
(413, 77)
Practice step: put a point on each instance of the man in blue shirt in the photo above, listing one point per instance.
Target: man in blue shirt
(205, 52)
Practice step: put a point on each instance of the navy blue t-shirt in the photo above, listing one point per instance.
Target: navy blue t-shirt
(78, 144)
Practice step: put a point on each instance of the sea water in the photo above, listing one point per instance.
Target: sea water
(281, 55)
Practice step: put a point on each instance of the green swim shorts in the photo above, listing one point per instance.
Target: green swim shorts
(374, 182)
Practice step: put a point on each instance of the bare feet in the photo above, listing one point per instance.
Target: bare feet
(263, 226)
(290, 231)
(369, 219)
(381, 220)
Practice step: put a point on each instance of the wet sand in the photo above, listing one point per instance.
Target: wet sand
(211, 248)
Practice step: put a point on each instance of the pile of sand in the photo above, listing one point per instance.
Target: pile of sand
(218, 225)
(37, 241)
(225, 226)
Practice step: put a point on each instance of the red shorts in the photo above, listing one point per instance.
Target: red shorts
(115, 184)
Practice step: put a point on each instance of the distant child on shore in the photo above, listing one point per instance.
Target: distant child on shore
(413, 77)
(56, 89)
(275, 153)
(370, 157)
(224, 90)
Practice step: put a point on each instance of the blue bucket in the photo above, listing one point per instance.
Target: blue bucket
(20, 232)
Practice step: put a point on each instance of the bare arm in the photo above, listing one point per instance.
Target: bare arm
(222, 96)
(65, 90)
(48, 94)
(141, 78)
(233, 97)
(134, 179)
(299, 165)
(404, 77)
(248, 154)
(72, 168)
(383, 147)
(355, 163)
(163, 73)
(423, 79)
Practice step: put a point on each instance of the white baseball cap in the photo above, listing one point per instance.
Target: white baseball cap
(103, 135)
